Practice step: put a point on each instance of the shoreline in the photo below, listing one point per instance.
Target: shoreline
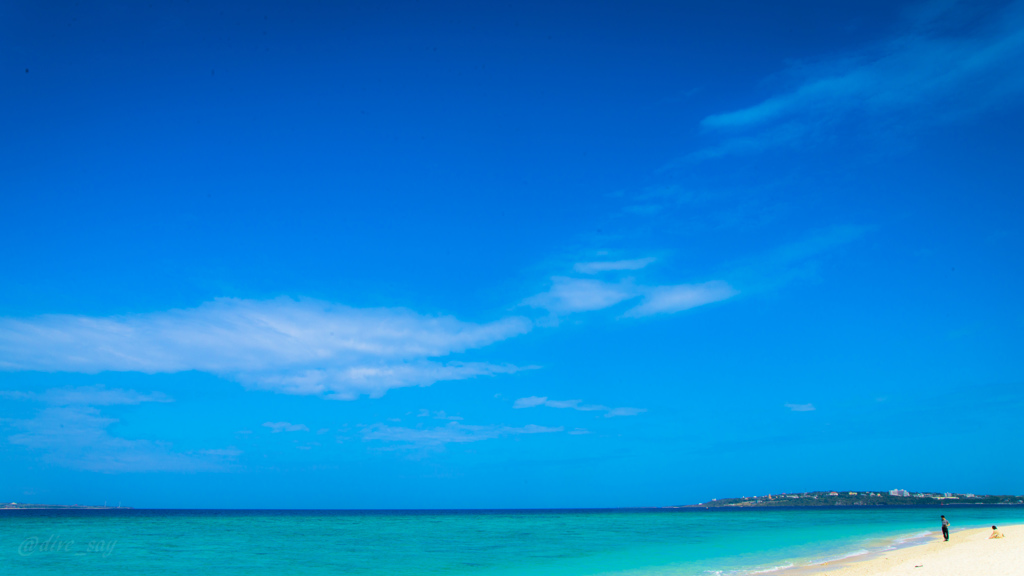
(968, 552)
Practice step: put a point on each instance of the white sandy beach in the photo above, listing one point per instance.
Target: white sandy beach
(968, 553)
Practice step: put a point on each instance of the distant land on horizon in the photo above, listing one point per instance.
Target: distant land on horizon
(859, 498)
(24, 506)
(822, 498)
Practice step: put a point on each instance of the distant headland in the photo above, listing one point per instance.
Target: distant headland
(23, 506)
(858, 498)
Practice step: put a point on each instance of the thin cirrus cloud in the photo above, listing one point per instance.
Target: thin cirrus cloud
(671, 299)
(569, 295)
(954, 63)
(303, 347)
(801, 407)
(71, 432)
(796, 260)
(437, 415)
(453, 432)
(534, 401)
(611, 266)
(276, 427)
(98, 395)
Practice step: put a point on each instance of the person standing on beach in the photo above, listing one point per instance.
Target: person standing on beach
(945, 528)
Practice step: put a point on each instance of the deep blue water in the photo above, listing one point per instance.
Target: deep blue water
(485, 543)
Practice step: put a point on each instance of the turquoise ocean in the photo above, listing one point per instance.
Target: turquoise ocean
(485, 543)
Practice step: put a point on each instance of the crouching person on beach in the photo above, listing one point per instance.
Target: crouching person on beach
(995, 533)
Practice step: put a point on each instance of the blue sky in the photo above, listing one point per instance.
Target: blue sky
(432, 255)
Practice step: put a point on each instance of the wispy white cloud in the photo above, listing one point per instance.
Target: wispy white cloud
(815, 244)
(568, 295)
(611, 265)
(276, 427)
(574, 404)
(226, 452)
(796, 260)
(437, 415)
(453, 432)
(671, 299)
(530, 402)
(72, 433)
(801, 407)
(97, 395)
(296, 347)
(534, 401)
(350, 383)
(939, 70)
(624, 412)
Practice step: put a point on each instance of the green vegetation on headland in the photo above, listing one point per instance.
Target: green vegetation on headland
(859, 498)
(22, 506)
